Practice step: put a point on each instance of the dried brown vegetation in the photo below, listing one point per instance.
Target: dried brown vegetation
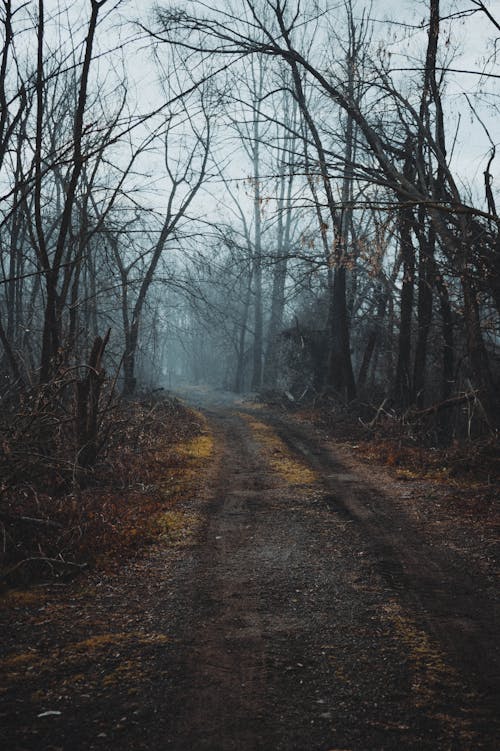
(56, 517)
(454, 487)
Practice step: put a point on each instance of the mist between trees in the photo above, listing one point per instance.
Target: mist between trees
(261, 196)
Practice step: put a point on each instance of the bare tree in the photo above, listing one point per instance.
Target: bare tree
(185, 179)
(408, 158)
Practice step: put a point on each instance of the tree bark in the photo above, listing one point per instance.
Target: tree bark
(88, 392)
(402, 383)
(239, 377)
(448, 358)
(52, 326)
(426, 274)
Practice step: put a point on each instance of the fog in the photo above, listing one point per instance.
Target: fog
(254, 197)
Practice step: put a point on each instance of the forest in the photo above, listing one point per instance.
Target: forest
(278, 203)
(280, 200)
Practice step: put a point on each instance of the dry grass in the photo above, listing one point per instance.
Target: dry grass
(472, 466)
(431, 676)
(291, 470)
(156, 451)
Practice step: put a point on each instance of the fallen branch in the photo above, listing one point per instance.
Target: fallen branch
(454, 401)
(12, 519)
(52, 562)
(370, 425)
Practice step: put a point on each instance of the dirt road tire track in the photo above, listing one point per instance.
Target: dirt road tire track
(459, 611)
(309, 613)
(284, 653)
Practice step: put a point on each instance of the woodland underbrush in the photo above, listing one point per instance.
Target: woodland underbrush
(58, 517)
(455, 445)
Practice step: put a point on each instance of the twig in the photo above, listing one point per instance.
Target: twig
(454, 401)
(51, 562)
(11, 519)
(370, 425)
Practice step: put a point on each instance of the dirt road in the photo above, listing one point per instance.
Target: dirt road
(310, 613)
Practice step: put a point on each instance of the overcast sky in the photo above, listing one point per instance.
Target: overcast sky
(469, 44)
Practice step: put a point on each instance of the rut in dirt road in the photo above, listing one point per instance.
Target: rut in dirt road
(294, 634)
(298, 605)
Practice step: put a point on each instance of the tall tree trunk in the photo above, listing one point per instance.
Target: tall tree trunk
(340, 373)
(129, 379)
(286, 179)
(426, 274)
(11, 358)
(52, 327)
(258, 341)
(448, 358)
(239, 377)
(402, 383)
(373, 335)
(271, 363)
(258, 337)
(278, 290)
(381, 299)
(477, 354)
